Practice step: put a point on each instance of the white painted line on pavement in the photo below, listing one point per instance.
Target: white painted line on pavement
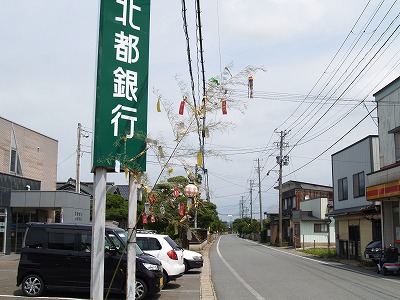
(248, 287)
(320, 261)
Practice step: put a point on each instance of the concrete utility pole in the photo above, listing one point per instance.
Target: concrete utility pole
(251, 201)
(282, 160)
(131, 263)
(259, 193)
(78, 161)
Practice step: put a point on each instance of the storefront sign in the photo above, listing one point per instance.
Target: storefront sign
(120, 120)
(385, 190)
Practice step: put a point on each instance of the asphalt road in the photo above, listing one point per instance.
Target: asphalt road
(185, 287)
(243, 269)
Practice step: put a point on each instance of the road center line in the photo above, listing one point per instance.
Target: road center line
(248, 287)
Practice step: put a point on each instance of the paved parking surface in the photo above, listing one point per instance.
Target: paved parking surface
(185, 287)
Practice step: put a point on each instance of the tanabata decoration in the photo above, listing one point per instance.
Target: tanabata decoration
(250, 91)
(147, 208)
(223, 105)
(152, 199)
(144, 218)
(176, 192)
(181, 209)
(182, 106)
(162, 209)
(158, 105)
(152, 219)
(199, 159)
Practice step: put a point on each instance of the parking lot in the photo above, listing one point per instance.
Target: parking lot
(185, 287)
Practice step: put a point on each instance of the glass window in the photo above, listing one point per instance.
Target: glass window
(342, 189)
(359, 184)
(171, 243)
(142, 243)
(35, 238)
(397, 145)
(320, 228)
(154, 244)
(61, 241)
(116, 242)
(13, 160)
(85, 242)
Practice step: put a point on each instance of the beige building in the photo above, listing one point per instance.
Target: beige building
(28, 175)
(29, 154)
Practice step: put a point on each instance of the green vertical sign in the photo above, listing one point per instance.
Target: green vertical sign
(120, 119)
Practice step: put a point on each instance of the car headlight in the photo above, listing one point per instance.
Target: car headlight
(196, 257)
(152, 267)
(376, 249)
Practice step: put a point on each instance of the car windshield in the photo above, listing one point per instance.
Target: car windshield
(374, 244)
(172, 243)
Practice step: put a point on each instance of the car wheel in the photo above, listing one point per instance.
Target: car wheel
(186, 265)
(33, 285)
(164, 279)
(141, 289)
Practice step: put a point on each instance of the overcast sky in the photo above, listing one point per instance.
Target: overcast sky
(308, 47)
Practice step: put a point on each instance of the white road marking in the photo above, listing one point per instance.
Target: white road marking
(246, 285)
(320, 261)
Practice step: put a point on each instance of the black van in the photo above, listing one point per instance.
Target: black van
(57, 256)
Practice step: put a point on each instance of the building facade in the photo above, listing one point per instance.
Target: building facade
(293, 193)
(28, 174)
(357, 221)
(383, 186)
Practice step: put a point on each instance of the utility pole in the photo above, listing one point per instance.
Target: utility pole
(242, 208)
(78, 161)
(281, 161)
(259, 193)
(251, 201)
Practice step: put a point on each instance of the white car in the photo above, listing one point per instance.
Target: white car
(164, 249)
(192, 260)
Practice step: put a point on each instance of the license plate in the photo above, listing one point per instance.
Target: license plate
(161, 281)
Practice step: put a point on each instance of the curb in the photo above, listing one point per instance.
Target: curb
(207, 291)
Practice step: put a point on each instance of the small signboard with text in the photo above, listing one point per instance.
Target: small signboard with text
(120, 119)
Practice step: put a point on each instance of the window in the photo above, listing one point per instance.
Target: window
(294, 202)
(320, 228)
(35, 238)
(359, 185)
(86, 242)
(397, 145)
(297, 229)
(342, 189)
(148, 243)
(61, 240)
(15, 165)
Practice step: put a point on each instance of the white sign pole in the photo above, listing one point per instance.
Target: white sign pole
(98, 234)
(131, 265)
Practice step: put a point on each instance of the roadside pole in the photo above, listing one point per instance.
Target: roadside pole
(98, 233)
(131, 265)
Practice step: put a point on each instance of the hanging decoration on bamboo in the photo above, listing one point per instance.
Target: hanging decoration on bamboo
(250, 87)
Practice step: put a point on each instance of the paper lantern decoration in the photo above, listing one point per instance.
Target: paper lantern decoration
(250, 86)
(144, 218)
(158, 105)
(176, 192)
(223, 105)
(181, 209)
(199, 159)
(152, 219)
(182, 107)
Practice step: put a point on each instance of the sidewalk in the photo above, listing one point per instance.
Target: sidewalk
(207, 291)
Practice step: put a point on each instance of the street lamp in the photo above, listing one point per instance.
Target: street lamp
(190, 192)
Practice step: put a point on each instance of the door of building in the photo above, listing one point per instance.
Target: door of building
(3, 224)
(354, 242)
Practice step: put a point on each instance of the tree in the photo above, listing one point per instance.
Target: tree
(117, 209)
